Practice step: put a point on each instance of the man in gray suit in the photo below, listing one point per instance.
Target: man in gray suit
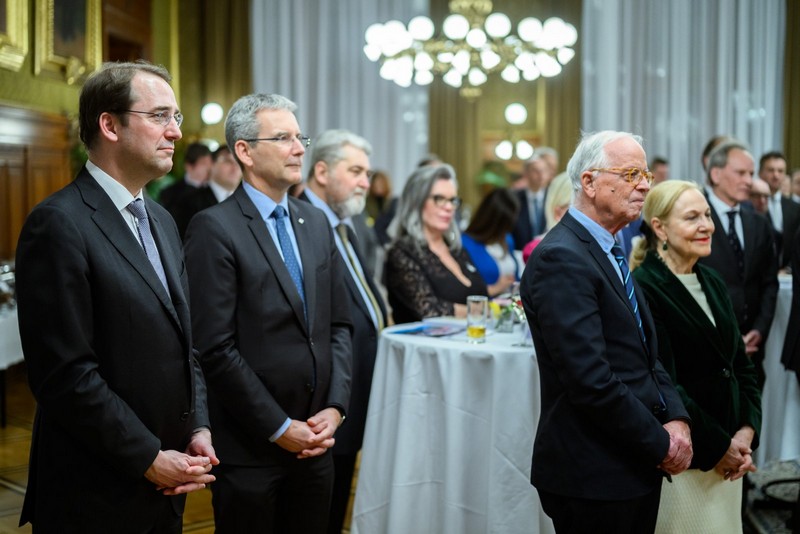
(272, 330)
(121, 425)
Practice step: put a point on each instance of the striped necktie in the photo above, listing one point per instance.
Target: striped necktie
(343, 231)
(146, 236)
(616, 250)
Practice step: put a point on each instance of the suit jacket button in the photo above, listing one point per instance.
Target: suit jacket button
(309, 388)
(726, 373)
(184, 416)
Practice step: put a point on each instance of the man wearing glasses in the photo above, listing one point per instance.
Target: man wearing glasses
(121, 424)
(612, 424)
(273, 331)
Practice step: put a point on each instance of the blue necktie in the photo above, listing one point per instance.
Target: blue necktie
(289, 258)
(616, 250)
(148, 244)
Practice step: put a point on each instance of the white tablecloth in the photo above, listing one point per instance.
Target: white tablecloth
(10, 347)
(449, 438)
(780, 428)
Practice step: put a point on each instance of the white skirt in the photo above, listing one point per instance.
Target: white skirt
(700, 502)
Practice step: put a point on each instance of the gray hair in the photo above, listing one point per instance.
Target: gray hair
(545, 151)
(718, 158)
(329, 147)
(591, 154)
(408, 220)
(242, 123)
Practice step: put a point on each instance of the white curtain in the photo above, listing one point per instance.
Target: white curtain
(311, 52)
(678, 72)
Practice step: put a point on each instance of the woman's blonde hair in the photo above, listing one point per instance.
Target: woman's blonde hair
(559, 193)
(658, 204)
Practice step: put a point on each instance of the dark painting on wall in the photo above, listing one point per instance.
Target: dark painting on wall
(69, 28)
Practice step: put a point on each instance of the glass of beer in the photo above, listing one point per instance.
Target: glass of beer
(477, 318)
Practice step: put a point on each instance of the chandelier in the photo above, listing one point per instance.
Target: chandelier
(474, 44)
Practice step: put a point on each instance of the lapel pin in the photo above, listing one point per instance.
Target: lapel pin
(301, 220)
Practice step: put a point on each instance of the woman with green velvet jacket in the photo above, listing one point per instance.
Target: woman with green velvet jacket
(701, 347)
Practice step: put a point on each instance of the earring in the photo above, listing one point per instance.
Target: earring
(664, 246)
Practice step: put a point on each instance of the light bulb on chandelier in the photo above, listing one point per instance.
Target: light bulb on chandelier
(475, 43)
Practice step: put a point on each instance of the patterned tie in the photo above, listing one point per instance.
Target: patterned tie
(616, 250)
(148, 244)
(343, 233)
(288, 252)
(736, 245)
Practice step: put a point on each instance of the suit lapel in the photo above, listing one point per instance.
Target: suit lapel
(306, 241)
(109, 221)
(686, 303)
(614, 280)
(269, 248)
(177, 304)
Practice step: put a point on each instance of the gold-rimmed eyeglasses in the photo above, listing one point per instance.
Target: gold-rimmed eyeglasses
(159, 117)
(633, 175)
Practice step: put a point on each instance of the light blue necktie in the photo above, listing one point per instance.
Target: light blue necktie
(148, 243)
(288, 252)
(616, 250)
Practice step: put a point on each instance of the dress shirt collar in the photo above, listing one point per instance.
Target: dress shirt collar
(719, 205)
(333, 219)
(264, 204)
(220, 193)
(600, 234)
(119, 195)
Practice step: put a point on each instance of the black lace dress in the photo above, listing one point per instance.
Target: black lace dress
(419, 284)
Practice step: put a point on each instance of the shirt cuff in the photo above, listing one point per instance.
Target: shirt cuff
(281, 431)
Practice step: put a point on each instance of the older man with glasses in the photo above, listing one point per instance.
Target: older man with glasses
(612, 425)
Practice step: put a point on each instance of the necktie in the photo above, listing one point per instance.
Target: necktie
(289, 258)
(616, 250)
(536, 225)
(145, 235)
(736, 245)
(342, 230)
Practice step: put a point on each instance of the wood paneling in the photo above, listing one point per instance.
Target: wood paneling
(34, 162)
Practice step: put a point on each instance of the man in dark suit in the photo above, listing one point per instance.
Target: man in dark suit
(121, 424)
(612, 424)
(531, 220)
(784, 213)
(272, 330)
(197, 167)
(743, 247)
(791, 345)
(337, 184)
(223, 180)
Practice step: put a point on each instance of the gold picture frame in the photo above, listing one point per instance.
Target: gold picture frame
(13, 33)
(68, 39)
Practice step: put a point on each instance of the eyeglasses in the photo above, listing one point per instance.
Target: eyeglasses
(633, 175)
(159, 117)
(285, 140)
(441, 201)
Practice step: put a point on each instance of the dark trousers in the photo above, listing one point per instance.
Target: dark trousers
(291, 497)
(572, 515)
(344, 466)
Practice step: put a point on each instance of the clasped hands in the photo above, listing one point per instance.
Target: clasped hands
(738, 459)
(679, 455)
(312, 437)
(175, 472)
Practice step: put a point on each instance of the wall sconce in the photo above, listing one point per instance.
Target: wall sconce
(515, 115)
